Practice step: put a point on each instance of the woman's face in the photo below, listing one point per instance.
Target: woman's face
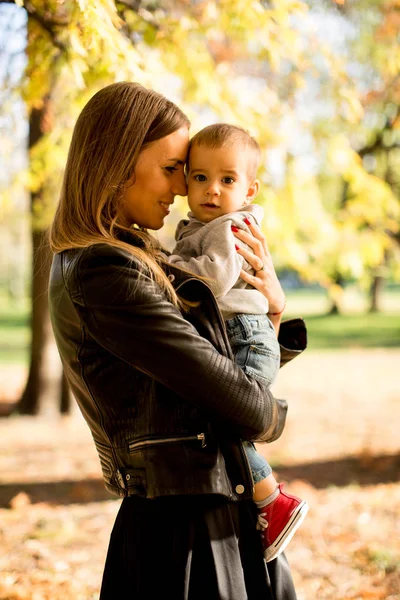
(158, 178)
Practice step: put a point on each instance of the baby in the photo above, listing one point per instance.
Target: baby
(221, 177)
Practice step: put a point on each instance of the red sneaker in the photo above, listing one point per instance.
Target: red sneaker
(279, 521)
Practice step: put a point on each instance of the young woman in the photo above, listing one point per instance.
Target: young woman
(146, 354)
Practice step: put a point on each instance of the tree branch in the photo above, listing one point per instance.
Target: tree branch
(131, 4)
(135, 6)
(45, 22)
(378, 143)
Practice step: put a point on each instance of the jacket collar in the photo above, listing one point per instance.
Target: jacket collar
(174, 274)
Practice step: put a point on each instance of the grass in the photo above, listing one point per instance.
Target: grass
(14, 331)
(353, 329)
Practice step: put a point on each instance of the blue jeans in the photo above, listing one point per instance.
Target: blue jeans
(256, 351)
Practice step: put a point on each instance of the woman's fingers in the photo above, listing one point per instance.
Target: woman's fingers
(257, 233)
(256, 241)
(255, 244)
(257, 255)
(256, 282)
(264, 278)
(253, 259)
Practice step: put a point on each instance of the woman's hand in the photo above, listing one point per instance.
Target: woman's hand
(265, 279)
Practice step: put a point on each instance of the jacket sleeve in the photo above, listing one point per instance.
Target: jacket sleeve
(218, 260)
(128, 315)
(292, 339)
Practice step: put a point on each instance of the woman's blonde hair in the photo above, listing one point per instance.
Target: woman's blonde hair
(117, 123)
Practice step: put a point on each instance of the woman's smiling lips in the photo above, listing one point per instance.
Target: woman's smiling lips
(165, 207)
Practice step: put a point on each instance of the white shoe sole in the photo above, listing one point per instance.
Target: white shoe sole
(282, 541)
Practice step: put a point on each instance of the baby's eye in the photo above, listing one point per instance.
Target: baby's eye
(171, 169)
(228, 180)
(200, 177)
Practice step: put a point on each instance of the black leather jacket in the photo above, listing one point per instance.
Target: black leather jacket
(166, 405)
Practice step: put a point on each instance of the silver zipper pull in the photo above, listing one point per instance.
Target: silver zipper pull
(202, 438)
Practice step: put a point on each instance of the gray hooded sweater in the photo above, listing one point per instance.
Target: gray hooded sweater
(208, 249)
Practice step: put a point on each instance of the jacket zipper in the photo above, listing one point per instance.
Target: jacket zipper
(250, 481)
(200, 437)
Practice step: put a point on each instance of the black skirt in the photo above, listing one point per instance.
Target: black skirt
(191, 548)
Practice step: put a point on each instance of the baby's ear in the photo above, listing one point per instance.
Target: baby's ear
(252, 191)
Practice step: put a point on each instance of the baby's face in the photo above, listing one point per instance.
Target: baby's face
(218, 181)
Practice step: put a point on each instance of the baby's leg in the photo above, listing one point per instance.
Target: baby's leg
(279, 514)
(256, 350)
(265, 483)
(264, 488)
(255, 346)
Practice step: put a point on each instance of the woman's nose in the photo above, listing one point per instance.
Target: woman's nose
(179, 187)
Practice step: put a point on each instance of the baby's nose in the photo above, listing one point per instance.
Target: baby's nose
(213, 188)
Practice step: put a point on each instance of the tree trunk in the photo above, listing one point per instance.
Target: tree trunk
(375, 294)
(338, 280)
(41, 257)
(42, 372)
(40, 325)
(334, 308)
(335, 294)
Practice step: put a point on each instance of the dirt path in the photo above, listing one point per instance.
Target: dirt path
(340, 451)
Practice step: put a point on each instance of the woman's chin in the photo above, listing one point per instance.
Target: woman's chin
(154, 225)
(157, 226)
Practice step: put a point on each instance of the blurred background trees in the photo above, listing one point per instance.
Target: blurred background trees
(316, 82)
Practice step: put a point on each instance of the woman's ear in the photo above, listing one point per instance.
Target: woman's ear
(252, 191)
(131, 180)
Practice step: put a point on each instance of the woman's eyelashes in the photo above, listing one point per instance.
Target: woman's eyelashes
(171, 169)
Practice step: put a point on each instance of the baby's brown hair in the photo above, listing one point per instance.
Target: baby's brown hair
(222, 134)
